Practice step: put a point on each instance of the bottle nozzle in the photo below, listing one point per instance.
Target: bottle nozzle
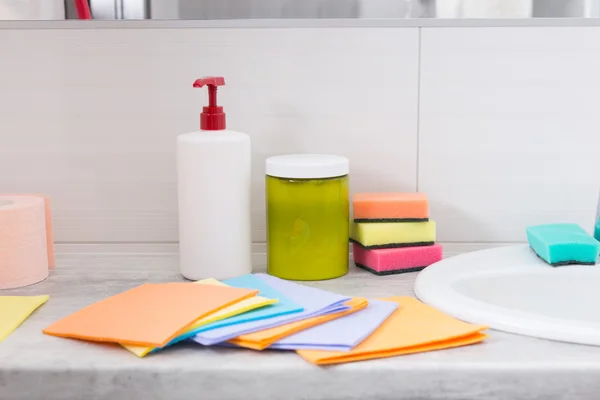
(212, 117)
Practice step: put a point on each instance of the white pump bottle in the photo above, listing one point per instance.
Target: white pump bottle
(213, 168)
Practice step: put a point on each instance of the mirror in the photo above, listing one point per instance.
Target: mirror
(297, 9)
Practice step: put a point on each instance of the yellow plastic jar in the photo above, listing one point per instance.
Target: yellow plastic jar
(307, 216)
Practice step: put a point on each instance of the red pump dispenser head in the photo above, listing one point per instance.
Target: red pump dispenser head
(212, 117)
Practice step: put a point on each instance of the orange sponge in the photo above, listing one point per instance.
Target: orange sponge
(390, 207)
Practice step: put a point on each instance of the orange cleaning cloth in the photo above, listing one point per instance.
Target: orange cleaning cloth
(148, 315)
(262, 339)
(413, 328)
(390, 207)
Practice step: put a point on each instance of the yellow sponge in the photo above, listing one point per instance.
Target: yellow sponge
(382, 235)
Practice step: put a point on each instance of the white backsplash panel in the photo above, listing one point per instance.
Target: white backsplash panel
(498, 125)
(509, 129)
(90, 116)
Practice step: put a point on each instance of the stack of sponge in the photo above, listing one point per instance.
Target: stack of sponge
(392, 233)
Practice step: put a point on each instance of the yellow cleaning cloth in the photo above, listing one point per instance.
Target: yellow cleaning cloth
(412, 328)
(392, 234)
(234, 309)
(15, 309)
(262, 339)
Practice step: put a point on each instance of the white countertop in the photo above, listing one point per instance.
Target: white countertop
(37, 366)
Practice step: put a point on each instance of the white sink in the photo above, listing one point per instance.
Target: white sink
(512, 290)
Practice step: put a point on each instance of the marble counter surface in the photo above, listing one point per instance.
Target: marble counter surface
(36, 366)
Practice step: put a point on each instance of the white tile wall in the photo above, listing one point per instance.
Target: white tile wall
(502, 123)
(90, 116)
(509, 129)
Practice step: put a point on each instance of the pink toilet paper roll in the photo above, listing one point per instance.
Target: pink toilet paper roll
(26, 240)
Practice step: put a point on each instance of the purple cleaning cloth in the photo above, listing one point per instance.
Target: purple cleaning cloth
(342, 334)
(316, 302)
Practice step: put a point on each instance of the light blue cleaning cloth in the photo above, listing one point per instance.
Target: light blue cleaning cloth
(284, 306)
(316, 302)
(342, 334)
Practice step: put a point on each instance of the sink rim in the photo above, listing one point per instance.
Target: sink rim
(434, 286)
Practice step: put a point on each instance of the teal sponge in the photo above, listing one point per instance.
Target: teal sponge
(597, 231)
(562, 244)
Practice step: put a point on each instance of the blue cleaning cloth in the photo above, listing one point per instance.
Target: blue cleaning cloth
(316, 302)
(342, 334)
(284, 306)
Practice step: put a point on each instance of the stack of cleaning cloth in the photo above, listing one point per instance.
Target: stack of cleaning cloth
(259, 312)
(392, 233)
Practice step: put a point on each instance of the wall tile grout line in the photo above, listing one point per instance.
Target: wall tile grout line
(418, 101)
(259, 249)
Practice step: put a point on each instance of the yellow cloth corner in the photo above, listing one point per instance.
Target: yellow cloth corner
(262, 339)
(227, 312)
(15, 309)
(413, 328)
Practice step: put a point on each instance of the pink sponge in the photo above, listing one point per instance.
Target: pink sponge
(396, 260)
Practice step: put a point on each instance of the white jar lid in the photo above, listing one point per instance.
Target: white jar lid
(307, 166)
